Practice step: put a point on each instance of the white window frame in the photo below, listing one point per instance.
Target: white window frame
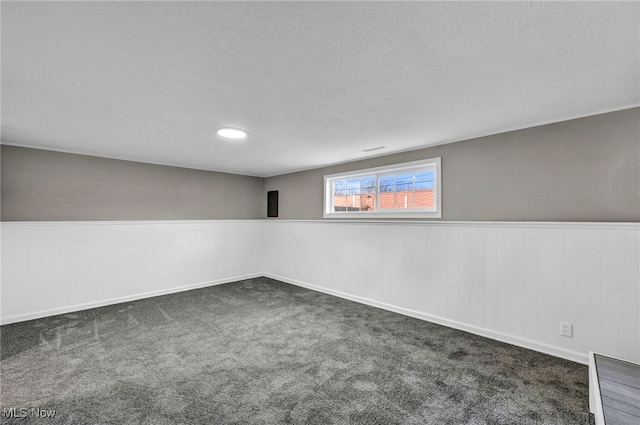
(413, 166)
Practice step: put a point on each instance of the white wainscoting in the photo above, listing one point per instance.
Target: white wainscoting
(57, 267)
(513, 282)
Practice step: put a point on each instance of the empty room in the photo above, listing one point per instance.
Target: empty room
(320, 213)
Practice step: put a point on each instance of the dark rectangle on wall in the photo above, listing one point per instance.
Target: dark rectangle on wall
(272, 203)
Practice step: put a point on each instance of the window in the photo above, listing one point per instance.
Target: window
(411, 189)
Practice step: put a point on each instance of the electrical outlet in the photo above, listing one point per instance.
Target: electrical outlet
(566, 329)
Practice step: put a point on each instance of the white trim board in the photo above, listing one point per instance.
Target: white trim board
(595, 399)
(389, 222)
(498, 336)
(123, 222)
(436, 223)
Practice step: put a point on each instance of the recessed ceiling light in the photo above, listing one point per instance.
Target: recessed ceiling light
(232, 133)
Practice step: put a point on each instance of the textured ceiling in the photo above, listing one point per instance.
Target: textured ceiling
(312, 83)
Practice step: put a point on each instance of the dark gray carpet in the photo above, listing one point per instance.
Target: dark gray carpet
(264, 352)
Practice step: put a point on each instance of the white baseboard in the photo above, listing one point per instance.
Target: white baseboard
(102, 303)
(498, 336)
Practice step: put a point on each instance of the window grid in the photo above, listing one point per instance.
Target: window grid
(400, 190)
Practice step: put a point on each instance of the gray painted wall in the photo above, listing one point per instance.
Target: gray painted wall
(40, 185)
(586, 169)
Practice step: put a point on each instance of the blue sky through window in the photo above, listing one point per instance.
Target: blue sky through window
(355, 186)
(393, 183)
(399, 182)
(425, 180)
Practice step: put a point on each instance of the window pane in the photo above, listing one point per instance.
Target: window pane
(424, 196)
(404, 191)
(387, 192)
(408, 190)
(368, 193)
(354, 194)
(339, 195)
(425, 180)
(369, 184)
(353, 186)
(404, 182)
